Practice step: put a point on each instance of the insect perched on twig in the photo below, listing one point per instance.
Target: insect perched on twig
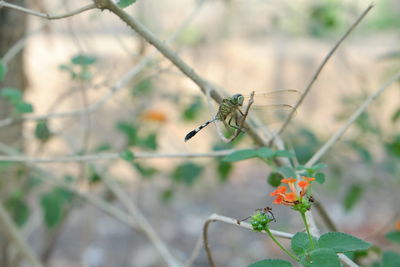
(229, 110)
(263, 210)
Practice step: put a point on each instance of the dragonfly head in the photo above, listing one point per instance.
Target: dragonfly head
(237, 99)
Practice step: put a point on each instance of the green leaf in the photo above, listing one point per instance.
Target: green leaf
(42, 131)
(391, 259)
(53, 204)
(393, 236)
(319, 166)
(325, 257)
(94, 176)
(103, 147)
(24, 107)
(193, 109)
(130, 132)
(361, 150)
(300, 243)
(167, 195)
(266, 152)
(187, 173)
(144, 87)
(127, 155)
(394, 146)
(224, 169)
(287, 172)
(283, 153)
(341, 242)
(150, 142)
(18, 209)
(274, 179)
(125, 3)
(83, 60)
(320, 177)
(353, 195)
(271, 263)
(240, 155)
(395, 116)
(144, 170)
(3, 70)
(11, 94)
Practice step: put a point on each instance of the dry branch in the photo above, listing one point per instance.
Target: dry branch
(10, 229)
(219, 218)
(321, 66)
(45, 15)
(350, 121)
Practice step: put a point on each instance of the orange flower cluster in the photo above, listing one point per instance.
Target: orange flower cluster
(398, 225)
(155, 116)
(294, 197)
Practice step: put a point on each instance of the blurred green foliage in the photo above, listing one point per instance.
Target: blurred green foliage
(17, 207)
(3, 70)
(125, 3)
(79, 67)
(14, 97)
(42, 131)
(192, 111)
(187, 173)
(54, 204)
(325, 18)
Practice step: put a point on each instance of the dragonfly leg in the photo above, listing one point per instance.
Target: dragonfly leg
(237, 126)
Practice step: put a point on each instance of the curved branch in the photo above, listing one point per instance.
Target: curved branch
(323, 63)
(14, 235)
(350, 121)
(45, 15)
(110, 156)
(215, 217)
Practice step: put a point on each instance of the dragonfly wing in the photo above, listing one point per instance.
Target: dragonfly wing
(273, 108)
(279, 97)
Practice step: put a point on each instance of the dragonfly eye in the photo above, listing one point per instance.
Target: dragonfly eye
(238, 99)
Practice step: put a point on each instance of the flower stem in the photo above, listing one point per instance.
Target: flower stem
(303, 216)
(281, 247)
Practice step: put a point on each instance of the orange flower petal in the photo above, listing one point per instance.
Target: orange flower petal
(398, 226)
(288, 180)
(310, 179)
(303, 184)
(290, 197)
(278, 200)
(154, 115)
(278, 191)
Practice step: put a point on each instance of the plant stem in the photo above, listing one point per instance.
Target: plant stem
(303, 216)
(281, 247)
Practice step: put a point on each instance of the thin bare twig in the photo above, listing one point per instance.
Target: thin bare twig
(121, 83)
(202, 83)
(243, 118)
(321, 66)
(143, 224)
(195, 252)
(14, 235)
(220, 218)
(47, 16)
(111, 156)
(350, 121)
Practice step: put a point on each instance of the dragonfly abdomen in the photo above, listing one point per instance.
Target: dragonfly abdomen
(198, 129)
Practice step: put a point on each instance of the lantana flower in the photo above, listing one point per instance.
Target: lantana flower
(154, 116)
(296, 196)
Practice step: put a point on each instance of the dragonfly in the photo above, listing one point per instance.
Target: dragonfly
(230, 107)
